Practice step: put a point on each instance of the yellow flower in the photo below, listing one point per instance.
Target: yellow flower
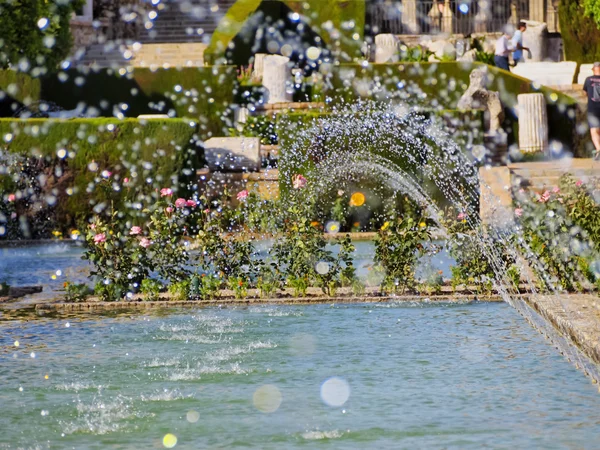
(75, 233)
(422, 224)
(56, 233)
(385, 226)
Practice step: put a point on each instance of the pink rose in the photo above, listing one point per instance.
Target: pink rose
(555, 190)
(242, 195)
(166, 192)
(462, 216)
(135, 231)
(169, 209)
(545, 197)
(180, 203)
(145, 242)
(518, 212)
(126, 180)
(92, 226)
(207, 211)
(99, 238)
(190, 203)
(299, 181)
(579, 183)
(12, 197)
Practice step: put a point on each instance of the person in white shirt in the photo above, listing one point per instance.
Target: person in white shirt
(503, 49)
(517, 42)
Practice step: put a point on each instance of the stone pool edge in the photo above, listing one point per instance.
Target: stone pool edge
(91, 306)
(566, 315)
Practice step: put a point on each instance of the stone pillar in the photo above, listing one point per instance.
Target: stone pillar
(435, 16)
(410, 21)
(88, 9)
(514, 14)
(258, 65)
(537, 10)
(484, 16)
(276, 78)
(447, 18)
(536, 39)
(386, 48)
(533, 123)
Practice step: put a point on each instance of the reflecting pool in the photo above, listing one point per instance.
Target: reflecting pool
(356, 376)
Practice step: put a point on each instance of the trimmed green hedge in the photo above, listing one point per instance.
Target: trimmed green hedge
(203, 94)
(73, 154)
(440, 85)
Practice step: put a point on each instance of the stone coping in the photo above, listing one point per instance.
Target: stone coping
(162, 304)
(284, 106)
(575, 316)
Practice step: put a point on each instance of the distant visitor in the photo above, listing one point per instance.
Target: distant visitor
(592, 88)
(503, 50)
(517, 43)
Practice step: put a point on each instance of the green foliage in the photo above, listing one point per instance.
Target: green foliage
(262, 127)
(398, 246)
(239, 286)
(206, 287)
(150, 289)
(27, 46)
(122, 153)
(180, 290)
(474, 266)
(418, 53)
(560, 235)
(592, 9)
(301, 256)
(580, 33)
(76, 292)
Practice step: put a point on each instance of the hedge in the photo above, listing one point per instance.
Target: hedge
(440, 85)
(74, 154)
(203, 94)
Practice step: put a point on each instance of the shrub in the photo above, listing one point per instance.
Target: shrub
(580, 34)
(150, 289)
(180, 290)
(25, 43)
(76, 292)
(398, 245)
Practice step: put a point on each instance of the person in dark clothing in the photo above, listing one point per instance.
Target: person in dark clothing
(592, 88)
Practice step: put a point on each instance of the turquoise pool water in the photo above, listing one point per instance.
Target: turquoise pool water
(336, 376)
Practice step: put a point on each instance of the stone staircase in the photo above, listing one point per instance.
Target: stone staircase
(181, 32)
(541, 176)
(186, 21)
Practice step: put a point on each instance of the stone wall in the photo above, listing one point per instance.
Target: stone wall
(83, 33)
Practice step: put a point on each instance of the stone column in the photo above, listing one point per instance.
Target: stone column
(386, 48)
(536, 39)
(533, 123)
(88, 9)
(447, 18)
(409, 17)
(258, 65)
(276, 77)
(435, 16)
(483, 16)
(537, 10)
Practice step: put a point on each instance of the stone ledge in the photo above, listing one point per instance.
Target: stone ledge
(576, 317)
(99, 306)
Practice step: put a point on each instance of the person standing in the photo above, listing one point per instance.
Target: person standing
(517, 42)
(503, 50)
(591, 86)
